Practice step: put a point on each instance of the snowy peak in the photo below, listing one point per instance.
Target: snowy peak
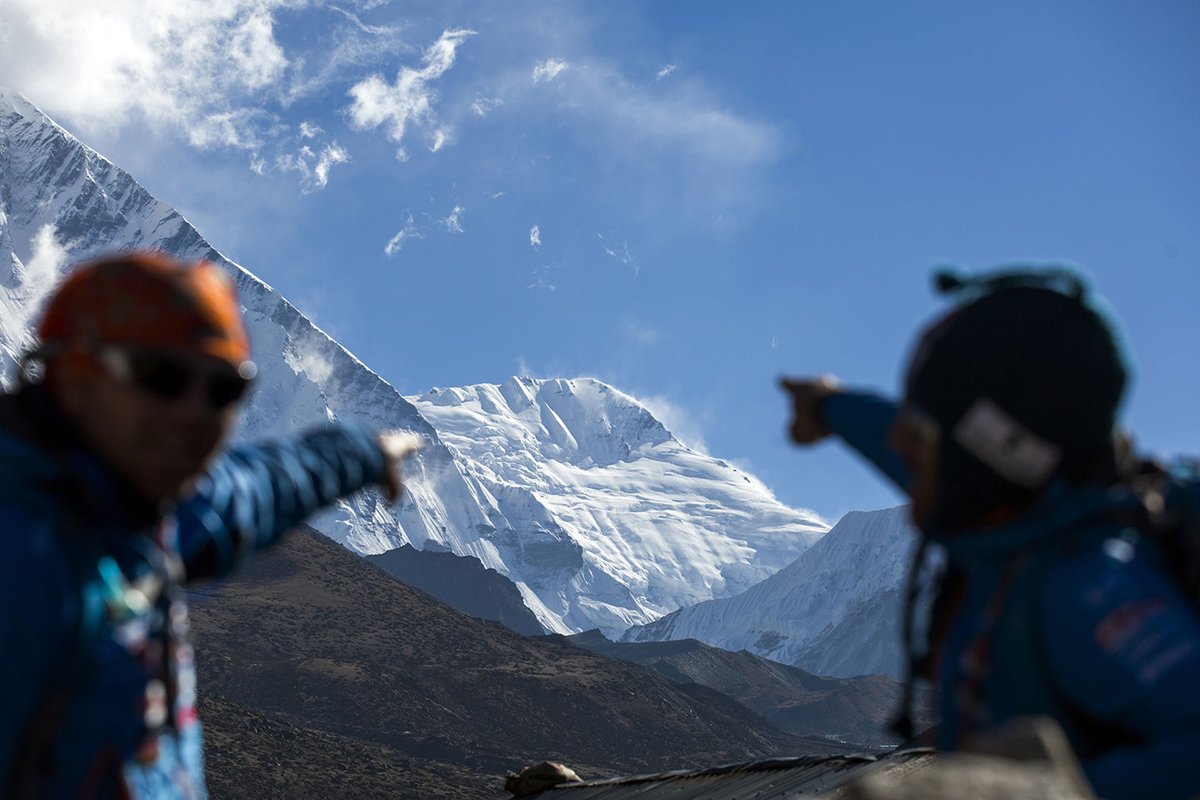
(582, 480)
(569, 488)
(581, 421)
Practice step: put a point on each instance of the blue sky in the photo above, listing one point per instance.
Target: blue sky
(684, 199)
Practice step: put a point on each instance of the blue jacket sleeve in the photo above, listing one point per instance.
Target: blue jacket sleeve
(251, 495)
(862, 421)
(1124, 647)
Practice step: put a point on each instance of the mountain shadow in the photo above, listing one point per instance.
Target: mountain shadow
(461, 582)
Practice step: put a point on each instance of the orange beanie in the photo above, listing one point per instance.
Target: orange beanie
(147, 299)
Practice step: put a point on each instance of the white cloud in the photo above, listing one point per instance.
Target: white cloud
(482, 106)
(306, 358)
(46, 260)
(680, 421)
(187, 64)
(37, 276)
(330, 154)
(535, 237)
(409, 101)
(666, 70)
(687, 121)
(453, 222)
(312, 167)
(240, 128)
(350, 48)
(438, 140)
(671, 123)
(409, 231)
(549, 69)
(215, 72)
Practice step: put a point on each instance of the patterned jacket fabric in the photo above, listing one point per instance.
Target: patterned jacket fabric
(1069, 612)
(97, 685)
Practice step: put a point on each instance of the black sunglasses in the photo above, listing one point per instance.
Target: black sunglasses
(170, 377)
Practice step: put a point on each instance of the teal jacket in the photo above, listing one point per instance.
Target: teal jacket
(1065, 612)
(97, 685)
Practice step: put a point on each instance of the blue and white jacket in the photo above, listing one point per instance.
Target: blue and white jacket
(97, 685)
(1068, 612)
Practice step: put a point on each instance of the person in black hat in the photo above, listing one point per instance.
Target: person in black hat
(1052, 598)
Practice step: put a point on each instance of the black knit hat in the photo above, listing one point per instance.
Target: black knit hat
(1025, 378)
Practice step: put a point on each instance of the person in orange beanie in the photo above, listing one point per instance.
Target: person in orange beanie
(115, 496)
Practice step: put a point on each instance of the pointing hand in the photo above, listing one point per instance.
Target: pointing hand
(396, 446)
(807, 394)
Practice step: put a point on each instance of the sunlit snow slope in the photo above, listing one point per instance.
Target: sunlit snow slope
(652, 525)
(571, 489)
(834, 611)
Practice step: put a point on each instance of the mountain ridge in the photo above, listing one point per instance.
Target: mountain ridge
(834, 611)
(56, 194)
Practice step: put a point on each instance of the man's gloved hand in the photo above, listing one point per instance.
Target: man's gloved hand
(396, 446)
(807, 395)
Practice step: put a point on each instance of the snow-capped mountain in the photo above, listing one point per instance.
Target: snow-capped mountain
(614, 499)
(569, 488)
(836, 610)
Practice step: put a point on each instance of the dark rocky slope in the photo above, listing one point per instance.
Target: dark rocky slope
(321, 675)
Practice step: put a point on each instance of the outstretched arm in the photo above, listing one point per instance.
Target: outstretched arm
(821, 408)
(253, 494)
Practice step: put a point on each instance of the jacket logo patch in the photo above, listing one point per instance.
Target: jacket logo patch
(1115, 630)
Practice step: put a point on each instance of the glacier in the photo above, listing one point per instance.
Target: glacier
(569, 488)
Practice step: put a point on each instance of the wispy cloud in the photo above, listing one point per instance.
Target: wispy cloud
(313, 167)
(535, 237)
(679, 420)
(187, 64)
(453, 221)
(666, 70)
(549, 69)
(541, 278)
(482, 106)
(47, 258)
(687, 121)
(409, 231)
(410, 99)
(620, 253)
(640, 332)
(215, 72)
